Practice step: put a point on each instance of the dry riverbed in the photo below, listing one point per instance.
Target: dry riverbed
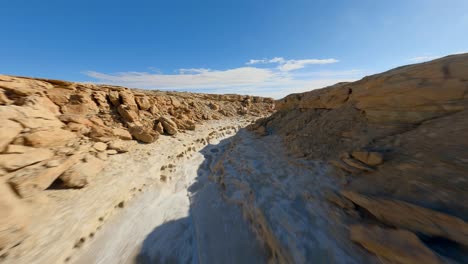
(220, 194)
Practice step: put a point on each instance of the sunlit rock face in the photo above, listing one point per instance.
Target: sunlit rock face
(396, 142)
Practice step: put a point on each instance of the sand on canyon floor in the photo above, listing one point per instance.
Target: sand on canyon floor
(239, 199)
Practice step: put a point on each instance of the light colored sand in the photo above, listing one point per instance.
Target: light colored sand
(283, 198)
(63, 218)
(186, 221)
(239, 199)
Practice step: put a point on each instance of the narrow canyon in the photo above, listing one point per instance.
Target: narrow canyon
(372, 171)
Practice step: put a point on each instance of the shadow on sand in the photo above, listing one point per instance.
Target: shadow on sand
(214, 231)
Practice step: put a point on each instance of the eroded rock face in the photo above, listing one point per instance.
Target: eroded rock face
(143, 134)
(77, 176)
(412, 217)
(27, 186)
(17, 156)
(49, 138)
(128, 113)
(398, 137)
(8, 132)
(57, 133)
(395, 246)
(170, 127)
(14, 218)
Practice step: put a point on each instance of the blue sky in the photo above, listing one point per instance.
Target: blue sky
(262, 47)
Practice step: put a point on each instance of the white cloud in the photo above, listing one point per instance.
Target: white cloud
(423, 58)
(189, 78)
(291, 65)
(274, 81)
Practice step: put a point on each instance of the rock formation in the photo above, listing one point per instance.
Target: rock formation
(60, 133)
(398, 143)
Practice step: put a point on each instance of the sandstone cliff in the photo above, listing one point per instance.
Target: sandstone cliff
(58, 134)
(399, 144)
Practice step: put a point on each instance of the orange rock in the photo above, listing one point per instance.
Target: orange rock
(397, 246)
(412, 217)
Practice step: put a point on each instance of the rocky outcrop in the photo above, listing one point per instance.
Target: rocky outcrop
(14, 218)
(395, 246)
(58, 134)
(142, 134)
(398, 137)
(414, 218)
(170, 127)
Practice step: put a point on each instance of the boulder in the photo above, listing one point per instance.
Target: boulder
(100, 98)
(80, 103)
(121, 133)
(29, 185)
(77, 176)
(158, 127)
(114, 98)
(143, 102)
(213, 106)
(143, 134)
(367, 157)
(118, 145)
(17, 156)
(129, 114)
(111, 152)
(170, 126)
(49, 138)
(153, 109)
(396, 246)
(185, 124)
(100, 146)
(9, 130)
(412, 217)
(128, 99)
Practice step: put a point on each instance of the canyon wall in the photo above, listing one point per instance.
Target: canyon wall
(398, 142)
(58, 134)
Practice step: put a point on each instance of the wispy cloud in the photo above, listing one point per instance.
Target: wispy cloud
(290, 65)
(274, 81)
(432, 57)
(423, 58)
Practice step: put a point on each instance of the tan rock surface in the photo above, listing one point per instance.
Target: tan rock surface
(408, 125)
(63, 120)
(396, 246)
(31, 185)
(412, 217)
(143, 134)
(369, 158)
(127, 113)
(16, 157)
(8, 132)
(170, 127)
(49, 138)
(14, 218)
(77, 176)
